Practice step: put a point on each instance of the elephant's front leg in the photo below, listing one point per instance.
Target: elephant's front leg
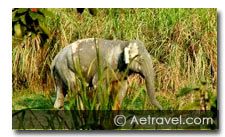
(120, 95)
(120, 87)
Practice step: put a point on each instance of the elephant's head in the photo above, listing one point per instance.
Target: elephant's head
(139, 60)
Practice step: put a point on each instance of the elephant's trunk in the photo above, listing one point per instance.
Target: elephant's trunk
(148, 72)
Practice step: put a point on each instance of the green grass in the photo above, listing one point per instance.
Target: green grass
(182, 42)
(41, 101)
(26, 99)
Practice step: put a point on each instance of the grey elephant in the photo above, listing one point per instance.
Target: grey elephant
(115, 55)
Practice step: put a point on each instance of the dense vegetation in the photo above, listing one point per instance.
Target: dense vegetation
(182, 42)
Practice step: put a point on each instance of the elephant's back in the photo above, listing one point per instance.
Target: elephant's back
(93, 43)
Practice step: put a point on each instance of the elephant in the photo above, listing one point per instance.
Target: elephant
(113, 55)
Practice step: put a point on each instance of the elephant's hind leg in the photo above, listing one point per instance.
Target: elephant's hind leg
(59, 103)
(64, 84)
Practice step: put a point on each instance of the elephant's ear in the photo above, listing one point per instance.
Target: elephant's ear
(130, 52)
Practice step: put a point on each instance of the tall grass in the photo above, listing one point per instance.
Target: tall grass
(182, 42)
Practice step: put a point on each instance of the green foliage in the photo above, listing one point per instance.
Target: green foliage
(29, 21)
